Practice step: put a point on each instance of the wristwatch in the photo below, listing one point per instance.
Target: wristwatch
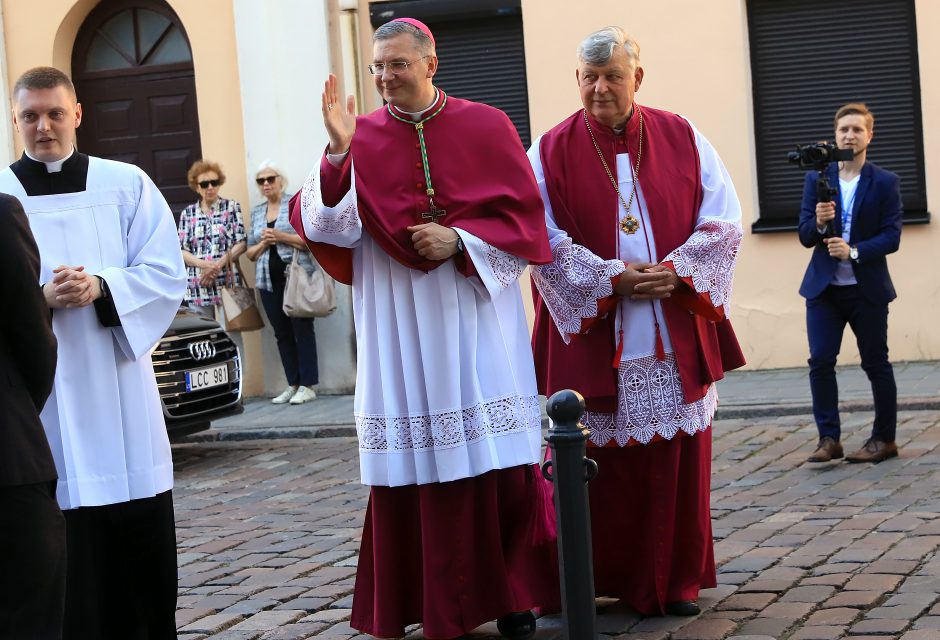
(853, 253)
(459, 244)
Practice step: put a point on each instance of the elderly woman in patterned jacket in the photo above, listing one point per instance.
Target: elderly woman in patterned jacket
(212, 236)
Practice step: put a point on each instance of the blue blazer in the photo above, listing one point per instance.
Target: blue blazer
(876, 231)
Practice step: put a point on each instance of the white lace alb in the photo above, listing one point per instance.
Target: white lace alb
(491, 418)
(650, 403)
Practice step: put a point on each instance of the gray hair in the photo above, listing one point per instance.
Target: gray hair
(272, 166)
(598, 48)
(392, 29)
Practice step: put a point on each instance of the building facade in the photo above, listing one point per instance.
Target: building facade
(254, 70)
(239, 81)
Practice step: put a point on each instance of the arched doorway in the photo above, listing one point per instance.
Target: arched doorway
(133, 71)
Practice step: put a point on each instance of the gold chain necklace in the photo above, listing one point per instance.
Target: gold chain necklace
(628, 224)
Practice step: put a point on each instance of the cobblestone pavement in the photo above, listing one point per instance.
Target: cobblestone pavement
(269, 529)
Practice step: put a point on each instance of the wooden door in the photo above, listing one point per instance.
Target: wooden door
(133, 72)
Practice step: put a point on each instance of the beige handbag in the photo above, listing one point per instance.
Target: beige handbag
(308, 295)
(238, 303)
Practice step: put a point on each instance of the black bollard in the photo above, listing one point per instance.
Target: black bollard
(569, 470)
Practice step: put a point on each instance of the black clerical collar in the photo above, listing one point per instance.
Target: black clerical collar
(37, 181)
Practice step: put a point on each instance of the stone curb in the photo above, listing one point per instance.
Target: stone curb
(272, 433)
(724, 412)
(803, 408)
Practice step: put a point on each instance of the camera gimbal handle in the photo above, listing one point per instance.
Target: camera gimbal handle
(825, 193)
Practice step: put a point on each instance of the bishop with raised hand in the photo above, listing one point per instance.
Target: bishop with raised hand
(429, 209)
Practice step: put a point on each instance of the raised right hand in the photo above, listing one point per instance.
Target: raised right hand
(825, 213)
(340, 123)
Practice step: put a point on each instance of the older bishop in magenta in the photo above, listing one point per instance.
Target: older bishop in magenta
(429, 208)
(644, 226)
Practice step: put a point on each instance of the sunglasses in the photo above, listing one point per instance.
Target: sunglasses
(266, 180)
(205, 184)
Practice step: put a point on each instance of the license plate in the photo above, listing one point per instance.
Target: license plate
(208, 377)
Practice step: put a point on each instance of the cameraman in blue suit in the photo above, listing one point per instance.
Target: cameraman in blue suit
(847, 281)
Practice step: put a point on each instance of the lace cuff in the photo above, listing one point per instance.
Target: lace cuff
(339, 225)
(572, 284)
(496, 269)
(707, 259)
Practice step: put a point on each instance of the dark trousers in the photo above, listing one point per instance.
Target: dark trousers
(32, 563)
(122, 579)
(296, 340)
(826, 317)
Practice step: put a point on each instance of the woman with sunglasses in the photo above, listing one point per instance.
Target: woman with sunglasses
(212, 236)
(272, 242)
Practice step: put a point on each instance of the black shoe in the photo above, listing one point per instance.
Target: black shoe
(517, 626)
(683, 608)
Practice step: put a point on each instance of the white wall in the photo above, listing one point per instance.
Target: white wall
(283, 61)
(6, 119)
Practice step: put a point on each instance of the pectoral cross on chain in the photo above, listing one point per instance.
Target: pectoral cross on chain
(433, 213)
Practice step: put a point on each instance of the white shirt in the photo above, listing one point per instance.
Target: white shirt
(56, 165)
(844, 274)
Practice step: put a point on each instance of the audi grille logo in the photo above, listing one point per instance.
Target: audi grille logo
(201, 350)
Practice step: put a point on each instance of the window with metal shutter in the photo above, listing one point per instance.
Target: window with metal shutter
(480, 48)
(808, 58)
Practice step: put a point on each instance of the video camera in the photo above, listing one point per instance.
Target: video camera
(818, 156)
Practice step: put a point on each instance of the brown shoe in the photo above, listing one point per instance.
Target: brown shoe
(827, 449)
(873, 451)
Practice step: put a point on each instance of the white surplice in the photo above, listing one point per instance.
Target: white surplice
(445, 384)
(649, 392)
(104, 420)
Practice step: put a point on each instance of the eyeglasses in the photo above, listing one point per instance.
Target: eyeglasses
(399, 66)
(266, 180)
(205, 184)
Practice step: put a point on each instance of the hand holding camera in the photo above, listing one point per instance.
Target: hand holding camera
(825, 213)
(818, 156)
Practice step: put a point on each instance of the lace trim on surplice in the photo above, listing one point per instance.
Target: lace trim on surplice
(649, 403)
(506, 267)
(502, 416)
(312, 208)
(572, 284)
(708, 258)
